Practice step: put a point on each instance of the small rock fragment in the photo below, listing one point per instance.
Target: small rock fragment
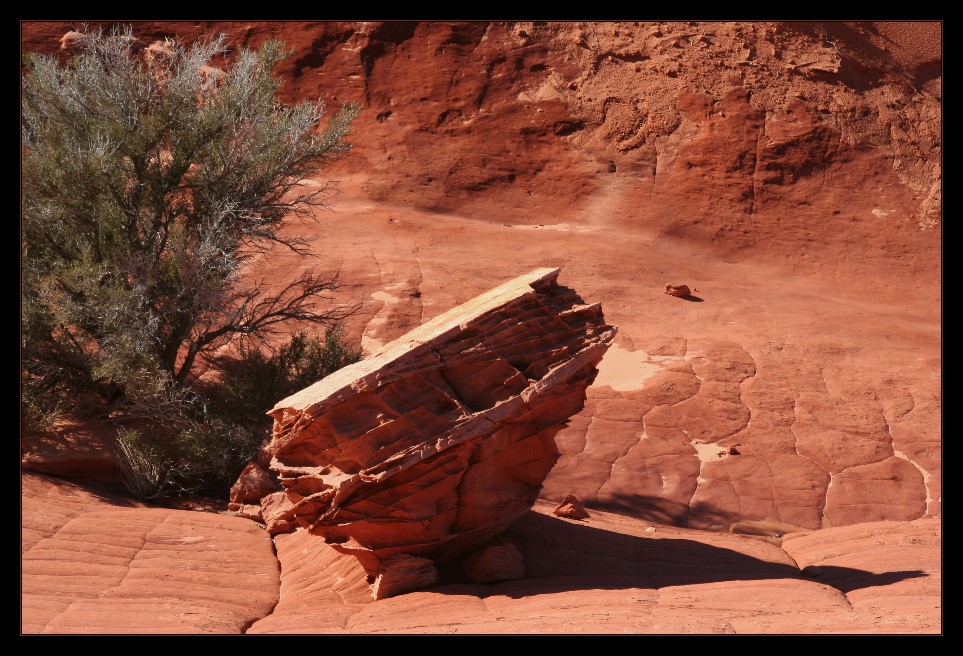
(677, 290)
(497, 562)
(252, 485)
(247, 510)
(571, 508)
(403, 573)
(812, 571)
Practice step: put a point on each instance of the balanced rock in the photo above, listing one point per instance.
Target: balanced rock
(442, 439)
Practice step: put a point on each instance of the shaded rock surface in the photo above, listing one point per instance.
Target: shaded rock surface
(443, 438)
(72, 449)
(252, 485)
(402, 573)
(496, 562)
(611, 576)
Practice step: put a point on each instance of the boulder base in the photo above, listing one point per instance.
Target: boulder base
(442, 439)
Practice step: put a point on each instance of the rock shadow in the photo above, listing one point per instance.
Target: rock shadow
(562, 555)
(647, 508)
(113, 494)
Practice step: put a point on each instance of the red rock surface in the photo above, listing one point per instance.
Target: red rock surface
(501, 561)
(252, 484)
(321, 588)
(167, 571)
(570, 508)
(402, 573)
(441, 439)
(789, 171)
(615, 575)
(93, 562)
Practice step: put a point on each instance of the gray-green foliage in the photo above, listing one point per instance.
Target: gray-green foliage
(256, 381)
(203, 448)
(145, 190)
(149, 180)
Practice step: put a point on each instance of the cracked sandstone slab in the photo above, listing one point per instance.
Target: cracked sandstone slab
(96, 563)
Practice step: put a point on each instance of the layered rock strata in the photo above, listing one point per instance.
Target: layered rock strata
(442, 439)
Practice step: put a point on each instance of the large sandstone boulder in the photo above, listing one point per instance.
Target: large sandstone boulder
(443, 438)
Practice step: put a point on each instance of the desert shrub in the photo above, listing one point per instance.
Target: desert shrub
(144, 468)
(258, 380)
(36, 412)
(150, 179)
(217, 433)
(201, 457)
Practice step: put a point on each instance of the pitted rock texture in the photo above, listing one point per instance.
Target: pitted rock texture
(443, 438)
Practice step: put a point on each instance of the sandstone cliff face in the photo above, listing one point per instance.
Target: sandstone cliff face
(754, 128)
(442, 439)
